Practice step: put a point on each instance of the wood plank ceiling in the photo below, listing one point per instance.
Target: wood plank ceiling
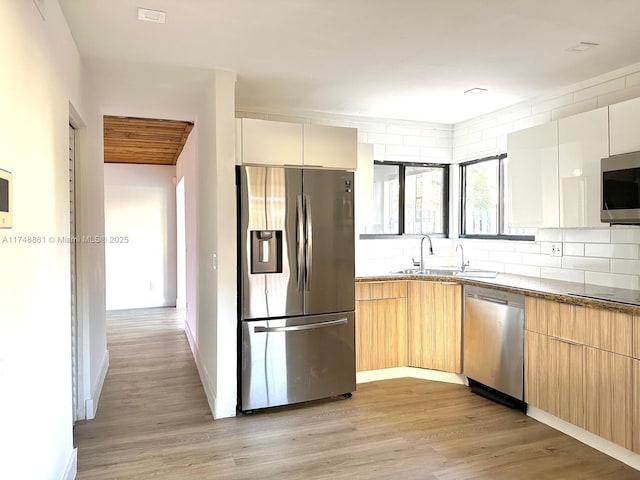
(144, 140)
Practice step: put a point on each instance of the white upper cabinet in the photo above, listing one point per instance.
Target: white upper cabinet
(583, 140)
(264, 142)
(271, 143)
(330, 147)
(624, 127)
(533, 176)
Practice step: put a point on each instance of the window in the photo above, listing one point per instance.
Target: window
(485, 208)
(409, 198)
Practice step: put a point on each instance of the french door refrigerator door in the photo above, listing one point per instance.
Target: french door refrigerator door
(270, 273)
(329, 252)
(297, 359)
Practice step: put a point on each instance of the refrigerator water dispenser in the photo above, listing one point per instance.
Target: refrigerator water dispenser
(266, 251)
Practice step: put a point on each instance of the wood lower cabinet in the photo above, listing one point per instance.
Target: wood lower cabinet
(381, 325)
(435, 326)
(636, 406)
(554, 371)
(608, 395)
(579, 367)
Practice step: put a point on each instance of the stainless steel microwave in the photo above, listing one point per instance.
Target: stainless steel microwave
(620, 190)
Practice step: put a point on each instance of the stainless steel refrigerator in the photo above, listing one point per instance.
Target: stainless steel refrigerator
(296, 285)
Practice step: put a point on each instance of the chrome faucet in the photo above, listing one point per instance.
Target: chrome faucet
(463, 265)
(421, 264)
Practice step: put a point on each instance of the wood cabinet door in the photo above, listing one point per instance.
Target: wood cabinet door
(435, 326)
(609, 395)
(271, 143)
(330, 147)
(381, 333)
(553, 372)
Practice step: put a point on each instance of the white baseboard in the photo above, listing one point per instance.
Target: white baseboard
(91, 404)
(72, 466)
(410, 372)
(205, 379)
(605, 446)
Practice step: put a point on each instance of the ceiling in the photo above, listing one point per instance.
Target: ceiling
(403, 59)
(144, 140)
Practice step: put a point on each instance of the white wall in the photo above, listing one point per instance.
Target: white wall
(216, 242)
(186, 169)
(42, 82)
(140, 230)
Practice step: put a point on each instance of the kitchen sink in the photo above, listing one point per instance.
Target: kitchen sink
(447, 272)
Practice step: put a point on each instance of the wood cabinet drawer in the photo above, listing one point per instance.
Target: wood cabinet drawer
(595, 327)
(380, 290)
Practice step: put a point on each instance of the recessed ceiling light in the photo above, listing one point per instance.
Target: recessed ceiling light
(582, 47)
(155, 16)
(476, 91)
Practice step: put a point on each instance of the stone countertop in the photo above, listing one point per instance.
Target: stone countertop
(555, 290)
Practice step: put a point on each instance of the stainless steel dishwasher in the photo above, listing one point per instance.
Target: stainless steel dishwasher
(493, 344)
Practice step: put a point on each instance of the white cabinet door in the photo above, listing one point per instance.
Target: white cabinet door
(330, 147)
(533, 176)
(624, 127)
(271, 143)
(582, 141)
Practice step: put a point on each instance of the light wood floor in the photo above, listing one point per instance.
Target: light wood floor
(153, 423)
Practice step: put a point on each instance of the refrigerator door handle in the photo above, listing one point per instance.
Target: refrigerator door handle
(300, 243)
(294, 328)
(309, 241)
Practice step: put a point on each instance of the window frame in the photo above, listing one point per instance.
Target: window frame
(501, 199)
(402, 166)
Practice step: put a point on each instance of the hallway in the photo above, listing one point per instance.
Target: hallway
(153, 422)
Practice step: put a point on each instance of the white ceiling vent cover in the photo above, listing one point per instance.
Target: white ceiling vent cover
(155, 16)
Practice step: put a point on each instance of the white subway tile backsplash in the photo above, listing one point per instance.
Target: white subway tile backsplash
(472, 137)
(545, 248)
(487, 146)
(586, 263)
(498, 245)
(611, 250)
(421, 141)
(385, 138)
(527, 247)
(369, 127)
(619, 96)
(362, 137)
(625, 235)
(403, 150)
(573, 249)
(435, 153)
(548, 105)
(631, 267)
(532, 121)
(632, 79)
(583, 236)
(561, 274)
(612, 280)
(574, 109)
(541, 260)
(549, 235)
(488, 265)
(527, 270)
(600, 89)
(403, 130)
(505, 257)
(513, 114)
